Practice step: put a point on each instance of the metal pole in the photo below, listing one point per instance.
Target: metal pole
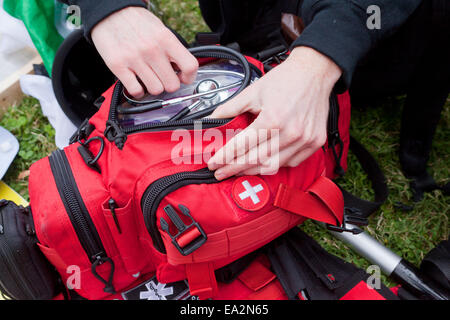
(390, 263)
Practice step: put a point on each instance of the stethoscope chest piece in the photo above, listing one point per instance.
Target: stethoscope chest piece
(206, 86)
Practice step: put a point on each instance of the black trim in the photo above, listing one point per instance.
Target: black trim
(78, 214)
(160, 188)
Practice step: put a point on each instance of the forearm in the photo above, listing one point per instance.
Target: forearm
(92, 12)
(338, 29)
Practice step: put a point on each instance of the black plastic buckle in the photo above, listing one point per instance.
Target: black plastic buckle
(351, 216)
(82, 132)
(182, 228)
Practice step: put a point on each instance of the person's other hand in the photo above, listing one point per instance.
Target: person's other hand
(291, 103)
(134, 44)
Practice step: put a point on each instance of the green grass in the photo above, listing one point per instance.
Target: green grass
(36, 138)
(410, 234)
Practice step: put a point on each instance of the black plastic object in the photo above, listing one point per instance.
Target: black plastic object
(79, 77)
(436, 264)
(306, 270)
(417, 283)
(182, 228)
(25, 274)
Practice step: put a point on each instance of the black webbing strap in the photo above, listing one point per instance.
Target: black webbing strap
(375, 176)
(436, 264)
(284, 264)
(305, 269)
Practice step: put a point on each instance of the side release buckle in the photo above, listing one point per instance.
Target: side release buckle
(189, 237)
(351, 216)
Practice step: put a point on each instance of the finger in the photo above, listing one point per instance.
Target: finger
(184, 60)
(243, 163)
(132, 85)
(239, 145)
(148, 77)
(264, 155)
(235, 106)
(165, 73)
(272, 166)
(300, 156)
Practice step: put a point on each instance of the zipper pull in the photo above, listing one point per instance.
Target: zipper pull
(100, 259)
(115, 134)
(112, 207)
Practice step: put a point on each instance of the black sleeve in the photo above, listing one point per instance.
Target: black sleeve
(338, 29)
(94, 11)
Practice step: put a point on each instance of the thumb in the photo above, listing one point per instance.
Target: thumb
(235, 106)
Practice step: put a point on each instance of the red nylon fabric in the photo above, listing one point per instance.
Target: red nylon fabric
(362, 292)
(127, 173)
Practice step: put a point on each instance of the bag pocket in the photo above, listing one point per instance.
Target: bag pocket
(25, 274)
(123, 228)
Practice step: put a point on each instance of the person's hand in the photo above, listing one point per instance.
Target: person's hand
(134, 44)
(291, 103)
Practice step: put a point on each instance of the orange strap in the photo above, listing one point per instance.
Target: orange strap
(329, 208)
(202, 280)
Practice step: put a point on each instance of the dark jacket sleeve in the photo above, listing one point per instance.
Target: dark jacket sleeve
(94, 11)
(338, 29)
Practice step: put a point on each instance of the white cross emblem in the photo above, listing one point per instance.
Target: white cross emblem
(160, 292)
(251, 191)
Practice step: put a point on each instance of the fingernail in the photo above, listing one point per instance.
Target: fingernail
(219, 175)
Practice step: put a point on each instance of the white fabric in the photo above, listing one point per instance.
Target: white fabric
(9, 146)
(14, 35)
(41, 88)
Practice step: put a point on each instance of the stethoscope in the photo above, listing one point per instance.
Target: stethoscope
(205, 90)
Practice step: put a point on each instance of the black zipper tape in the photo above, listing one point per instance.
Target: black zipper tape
(162, 187)
(79, 215)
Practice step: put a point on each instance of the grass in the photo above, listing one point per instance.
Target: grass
(410, 234)
(36, 138)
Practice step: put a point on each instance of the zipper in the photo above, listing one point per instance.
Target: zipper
(79, 216)
(15, 273)
(160, 188)
(114, 132)
(178, 124)
(333, 117)
(334, 137)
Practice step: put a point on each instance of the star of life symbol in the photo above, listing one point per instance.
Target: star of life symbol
(155, 291)
(251, 192)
